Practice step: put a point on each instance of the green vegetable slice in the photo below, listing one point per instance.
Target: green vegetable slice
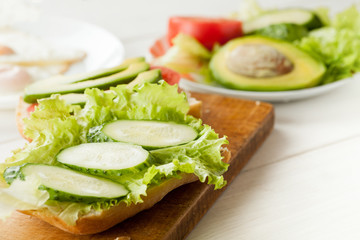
(151, 76)
(95, 74)
(46, 88)
(65, 185)
(284, 31)
(150, 134)
(301, 17)
(191, 45)
(108, 158)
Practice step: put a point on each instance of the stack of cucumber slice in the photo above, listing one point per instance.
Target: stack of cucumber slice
(86, 169)
(134, 71)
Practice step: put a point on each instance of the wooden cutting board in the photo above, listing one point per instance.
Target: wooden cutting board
(245, 123)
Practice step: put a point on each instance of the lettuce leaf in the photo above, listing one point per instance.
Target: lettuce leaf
(56, 125)
(21, 195)
(149, 101)
(200, 157)
(337, 45)
(348, 19)
(50, 132)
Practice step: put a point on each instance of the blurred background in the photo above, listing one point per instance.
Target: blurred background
(303, 183)
(151, 16)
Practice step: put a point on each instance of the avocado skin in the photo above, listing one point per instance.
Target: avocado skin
(307, 71)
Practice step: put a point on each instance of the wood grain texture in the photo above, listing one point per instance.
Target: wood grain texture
(245, 123)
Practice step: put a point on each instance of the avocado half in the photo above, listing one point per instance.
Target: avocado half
(307, 71)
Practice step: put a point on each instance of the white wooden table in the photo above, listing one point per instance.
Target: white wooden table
(303, 183)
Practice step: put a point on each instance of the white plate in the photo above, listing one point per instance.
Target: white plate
(102, 48)
(281, 96)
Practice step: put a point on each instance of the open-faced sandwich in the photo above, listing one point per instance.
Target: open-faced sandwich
(90, 166)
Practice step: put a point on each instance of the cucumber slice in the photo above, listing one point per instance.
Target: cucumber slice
(301, 17)
(284, 31)
(68, 185)
(43, 89)
(150, 134)
(108, 158)
(151, 76)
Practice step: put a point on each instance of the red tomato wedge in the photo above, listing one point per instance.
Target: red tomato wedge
(170, 76)
(160, 47)
(207, 31)
(31, 108)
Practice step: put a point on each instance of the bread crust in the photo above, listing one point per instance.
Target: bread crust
(195, 107)
(97, 222)
(94, 223)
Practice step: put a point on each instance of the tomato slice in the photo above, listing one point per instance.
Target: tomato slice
(160, 47)
(170, 76)
(31, 108)
(207, 31)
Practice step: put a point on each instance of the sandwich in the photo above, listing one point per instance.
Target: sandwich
(88, 167)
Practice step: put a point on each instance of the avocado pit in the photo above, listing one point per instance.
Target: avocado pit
(258, 61)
